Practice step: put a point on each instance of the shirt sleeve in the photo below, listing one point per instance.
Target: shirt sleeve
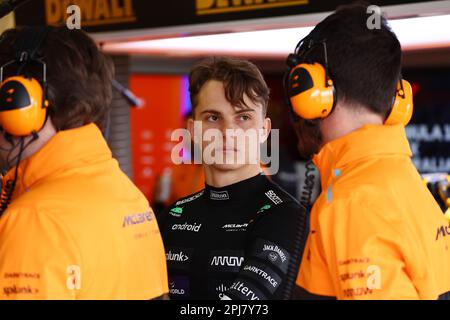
(367, 254)
(272, 255)
(38, 258)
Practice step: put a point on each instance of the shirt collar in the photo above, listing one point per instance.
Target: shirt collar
(65, 150)
(240, 192)
(366, 142)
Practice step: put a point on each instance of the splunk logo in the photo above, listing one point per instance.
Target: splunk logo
(187, 227)
(176, 257)
(139, 218)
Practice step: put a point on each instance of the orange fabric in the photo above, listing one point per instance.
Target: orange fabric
(376, 231)
(77, 227)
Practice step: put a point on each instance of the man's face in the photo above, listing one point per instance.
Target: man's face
(309, 138)
(242, 129)
(5, 151)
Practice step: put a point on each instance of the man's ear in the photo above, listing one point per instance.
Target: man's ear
(267, 127)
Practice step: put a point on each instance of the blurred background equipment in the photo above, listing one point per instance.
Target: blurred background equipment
(439, 185)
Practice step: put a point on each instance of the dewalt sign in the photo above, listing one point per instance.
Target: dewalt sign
(124, 15)
(204, 7)
(93, 12)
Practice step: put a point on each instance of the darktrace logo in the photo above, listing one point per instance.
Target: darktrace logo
(219, 195)
(263, 274)
(187, 227)
(138, 218)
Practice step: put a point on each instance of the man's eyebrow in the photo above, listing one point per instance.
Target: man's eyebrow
(210, 111)
(244, 110)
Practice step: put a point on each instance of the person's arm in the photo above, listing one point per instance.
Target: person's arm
(38, 258)
(367, 254)
(272, 255)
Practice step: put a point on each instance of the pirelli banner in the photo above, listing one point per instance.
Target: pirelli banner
(122, 15)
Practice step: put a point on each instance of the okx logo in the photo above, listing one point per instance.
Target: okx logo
(179, 286)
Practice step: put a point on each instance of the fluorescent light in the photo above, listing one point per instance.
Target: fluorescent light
(413, 33)
(423, 32)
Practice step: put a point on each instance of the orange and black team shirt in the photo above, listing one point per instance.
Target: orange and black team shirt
(375, 232)
(78, 228)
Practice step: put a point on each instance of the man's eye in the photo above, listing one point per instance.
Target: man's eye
(244, 117)
(212, 118)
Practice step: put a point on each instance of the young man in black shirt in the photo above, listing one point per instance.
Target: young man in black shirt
(242, 236)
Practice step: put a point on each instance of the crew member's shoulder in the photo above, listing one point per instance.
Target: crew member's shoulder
(278, 197)
(193, 200)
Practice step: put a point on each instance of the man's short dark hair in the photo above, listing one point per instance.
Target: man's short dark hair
(240, 78)
(78, 76)
(365, 64)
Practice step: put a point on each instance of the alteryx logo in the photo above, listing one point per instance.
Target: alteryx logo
(139, 218)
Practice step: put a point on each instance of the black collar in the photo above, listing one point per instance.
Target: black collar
(238, 192)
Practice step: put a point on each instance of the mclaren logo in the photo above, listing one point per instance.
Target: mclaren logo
(204, 7)
(93, 12)
(442, 231)
(137, 218)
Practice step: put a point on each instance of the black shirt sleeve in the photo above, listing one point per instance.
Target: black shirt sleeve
(274, 249)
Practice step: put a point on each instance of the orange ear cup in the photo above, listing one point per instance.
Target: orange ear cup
(22, 109)
(310, 93)
(402, 110)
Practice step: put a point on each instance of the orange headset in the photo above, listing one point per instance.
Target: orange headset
(311, 92)
(23, 98)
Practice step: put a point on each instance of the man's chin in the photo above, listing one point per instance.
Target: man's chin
(227, 166)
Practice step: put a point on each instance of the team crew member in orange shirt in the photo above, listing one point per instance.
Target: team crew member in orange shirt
(76, 227)
(375, 231)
